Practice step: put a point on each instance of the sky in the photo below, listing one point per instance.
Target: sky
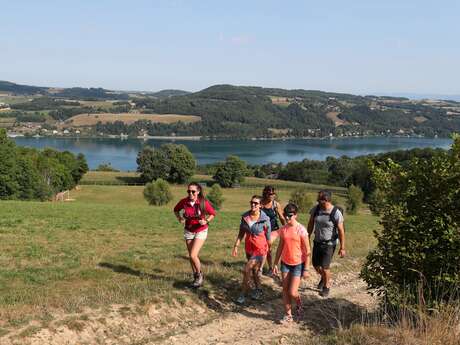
(356, 46)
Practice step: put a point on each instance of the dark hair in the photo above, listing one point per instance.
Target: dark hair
(199, 187)
(325, 195)
(201, 196)
(291, 208)
(268, 190)
(256, 197)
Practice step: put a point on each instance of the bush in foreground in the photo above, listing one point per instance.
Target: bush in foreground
(157, 193)
(417, 258)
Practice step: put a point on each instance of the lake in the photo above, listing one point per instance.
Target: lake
(122, 153)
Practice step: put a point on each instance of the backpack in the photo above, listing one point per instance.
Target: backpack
(335, 232)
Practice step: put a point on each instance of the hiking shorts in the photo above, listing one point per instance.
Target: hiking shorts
(295, 270)
(202, 235)
(322, 254)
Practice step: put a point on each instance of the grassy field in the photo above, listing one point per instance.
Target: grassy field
(128, 118)
(109, 247)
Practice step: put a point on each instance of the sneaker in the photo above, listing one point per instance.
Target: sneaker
(286, 319)
(320, 284)
(241, 299)
(256, 294)
(198, 280)
(324, 292)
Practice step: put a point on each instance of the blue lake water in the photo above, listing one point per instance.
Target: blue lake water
(122, 153)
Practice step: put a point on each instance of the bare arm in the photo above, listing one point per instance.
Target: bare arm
(341, 229)
(179, 217)
(311, 225)
(306, 248)
(280, 214)
(278, 256)
(238, 240)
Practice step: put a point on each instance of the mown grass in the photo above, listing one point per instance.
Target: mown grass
(109, 247)
(122, 178)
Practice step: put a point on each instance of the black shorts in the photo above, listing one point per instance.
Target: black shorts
(322, 254)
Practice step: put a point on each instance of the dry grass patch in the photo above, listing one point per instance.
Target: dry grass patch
(420, 119)
(334, 117)
(128, 118)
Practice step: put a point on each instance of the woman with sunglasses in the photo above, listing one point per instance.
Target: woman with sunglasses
(195, 212)
(255, 228)
(272, 209)
(294, 253)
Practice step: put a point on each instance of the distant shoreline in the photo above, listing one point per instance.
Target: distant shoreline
(198, 138)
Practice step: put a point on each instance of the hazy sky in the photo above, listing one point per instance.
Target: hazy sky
(356, 46)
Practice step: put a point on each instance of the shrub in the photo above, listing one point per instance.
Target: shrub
(355, 199)
(376, 201)
(302, 199)
(230, 172)
(106, 167)
(215, 196)
(157, 193)
(418, 251)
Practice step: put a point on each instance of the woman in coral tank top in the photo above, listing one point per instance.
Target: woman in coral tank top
(294, 254)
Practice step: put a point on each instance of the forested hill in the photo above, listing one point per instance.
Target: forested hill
(234, 111)
(255, 111)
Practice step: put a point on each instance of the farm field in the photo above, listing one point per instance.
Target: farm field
(108, 261)
(128, 118)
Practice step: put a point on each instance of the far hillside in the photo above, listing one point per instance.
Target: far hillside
(228, 111)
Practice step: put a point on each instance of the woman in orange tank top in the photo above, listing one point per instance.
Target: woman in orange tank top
(294, 254)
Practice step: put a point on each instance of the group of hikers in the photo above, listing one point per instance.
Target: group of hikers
(260, 228)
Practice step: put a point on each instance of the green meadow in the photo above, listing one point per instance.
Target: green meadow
(108, 246)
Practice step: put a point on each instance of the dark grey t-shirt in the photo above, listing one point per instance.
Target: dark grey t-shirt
(324, 227)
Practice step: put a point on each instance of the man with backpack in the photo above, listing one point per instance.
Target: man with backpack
(327, 222)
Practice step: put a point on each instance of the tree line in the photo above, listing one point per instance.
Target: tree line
(31, 174)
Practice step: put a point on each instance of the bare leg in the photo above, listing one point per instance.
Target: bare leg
(294, 290)
(255, 270)
(194, 247)
(286, 296)
(326, 275)
(248, 268)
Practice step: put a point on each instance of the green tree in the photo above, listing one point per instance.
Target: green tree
(230, 172)
(355, 199)
(171, 162)
(215, 196)
(302, 199)
(417, 258)
(157, 193)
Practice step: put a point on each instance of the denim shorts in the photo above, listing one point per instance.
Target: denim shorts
(295, 270)
(258, 258)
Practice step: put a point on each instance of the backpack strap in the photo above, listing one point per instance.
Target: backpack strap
(335, 233)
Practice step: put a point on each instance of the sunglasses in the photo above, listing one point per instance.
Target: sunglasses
(254, 203)
(191, 191)
(322, 200)
(289, 215)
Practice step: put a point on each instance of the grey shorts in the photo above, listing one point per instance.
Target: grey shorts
(202, 235)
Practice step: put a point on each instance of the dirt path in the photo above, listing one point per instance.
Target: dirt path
(258, 323)
(255, 323)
